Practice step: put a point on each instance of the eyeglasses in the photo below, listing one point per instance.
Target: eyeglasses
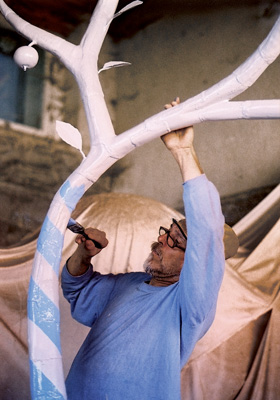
(171, 242)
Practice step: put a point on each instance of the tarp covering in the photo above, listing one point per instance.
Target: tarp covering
(237, 359)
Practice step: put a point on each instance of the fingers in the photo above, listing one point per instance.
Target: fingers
(79, 239)
(97, 235)
(94, 234)
(175, 102)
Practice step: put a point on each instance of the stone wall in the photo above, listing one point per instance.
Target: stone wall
(32, 170)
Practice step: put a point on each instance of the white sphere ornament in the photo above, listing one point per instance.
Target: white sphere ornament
(26, 57)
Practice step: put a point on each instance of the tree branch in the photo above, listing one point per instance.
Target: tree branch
(98, 26)
(47, 41)
(240, 79)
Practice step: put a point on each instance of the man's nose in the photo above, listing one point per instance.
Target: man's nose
(162, 238)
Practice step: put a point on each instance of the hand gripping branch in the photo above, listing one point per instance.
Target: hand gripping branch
(46, 372)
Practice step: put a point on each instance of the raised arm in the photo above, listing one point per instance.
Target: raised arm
(203, 268)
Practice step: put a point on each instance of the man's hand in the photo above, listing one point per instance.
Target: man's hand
(180, 144)
(88, 246)
(80, 260)
(181, 138)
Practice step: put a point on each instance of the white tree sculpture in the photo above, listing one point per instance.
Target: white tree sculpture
(47, 380)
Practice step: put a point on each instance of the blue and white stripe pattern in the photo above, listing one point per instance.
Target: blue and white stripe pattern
(46, 370)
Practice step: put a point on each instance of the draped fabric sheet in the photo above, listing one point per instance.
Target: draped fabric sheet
(237, 359)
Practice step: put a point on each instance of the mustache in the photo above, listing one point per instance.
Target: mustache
(147, 266)
(156, 247)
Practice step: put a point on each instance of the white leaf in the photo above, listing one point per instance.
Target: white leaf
(128, 7)
(113, 64)
(70, 135)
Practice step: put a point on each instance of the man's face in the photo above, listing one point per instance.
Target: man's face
(164, 261)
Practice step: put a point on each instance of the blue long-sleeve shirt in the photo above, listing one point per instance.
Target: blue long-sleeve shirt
(142, 335)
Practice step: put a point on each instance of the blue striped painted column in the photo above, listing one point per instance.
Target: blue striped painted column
(46, 370)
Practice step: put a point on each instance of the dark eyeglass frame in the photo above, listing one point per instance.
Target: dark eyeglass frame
(165, 231)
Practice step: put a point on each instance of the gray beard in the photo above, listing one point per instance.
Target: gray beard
(165, 273)
(147, 266)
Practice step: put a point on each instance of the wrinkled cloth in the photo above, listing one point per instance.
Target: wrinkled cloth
(141, 335)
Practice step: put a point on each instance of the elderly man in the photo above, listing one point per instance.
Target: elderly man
(144, 325)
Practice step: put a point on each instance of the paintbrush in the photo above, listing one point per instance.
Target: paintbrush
(75, 227)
